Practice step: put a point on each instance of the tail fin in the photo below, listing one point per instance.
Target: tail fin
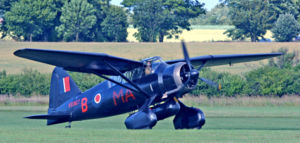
(62, 88)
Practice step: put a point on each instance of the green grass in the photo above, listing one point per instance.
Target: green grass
(224, 124)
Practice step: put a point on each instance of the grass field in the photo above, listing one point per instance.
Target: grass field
(138, 51)
(223, 125)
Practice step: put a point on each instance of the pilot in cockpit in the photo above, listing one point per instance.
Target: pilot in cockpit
(148, 68)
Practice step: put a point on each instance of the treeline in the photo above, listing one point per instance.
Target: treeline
(98, 20)
(63, 20)
(95, 20)
(280, 77)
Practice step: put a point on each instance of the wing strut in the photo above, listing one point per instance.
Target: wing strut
(137, 88)
(125, 78)
(118, 83)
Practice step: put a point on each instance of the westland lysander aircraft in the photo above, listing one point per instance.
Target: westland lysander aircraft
(150, 87)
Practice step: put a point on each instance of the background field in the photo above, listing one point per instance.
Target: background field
(198, 33)
(138, 51)
(226, 124)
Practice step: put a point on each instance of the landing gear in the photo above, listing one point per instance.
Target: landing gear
(189, 118)
(68, 126)
(144, 118)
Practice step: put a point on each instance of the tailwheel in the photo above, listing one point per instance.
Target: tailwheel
(69, 125)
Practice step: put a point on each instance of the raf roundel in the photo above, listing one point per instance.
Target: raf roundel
(97, 98)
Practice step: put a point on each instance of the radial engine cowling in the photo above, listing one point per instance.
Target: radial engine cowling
(189, 118)
(177, 76)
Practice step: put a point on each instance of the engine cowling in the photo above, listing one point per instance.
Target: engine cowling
(177, 76)
(167, 109)
(144, 119)
(189, 118)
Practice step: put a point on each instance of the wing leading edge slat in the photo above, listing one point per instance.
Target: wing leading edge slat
(216, 60)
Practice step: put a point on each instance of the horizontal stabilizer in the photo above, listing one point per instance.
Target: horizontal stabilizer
(50, 117)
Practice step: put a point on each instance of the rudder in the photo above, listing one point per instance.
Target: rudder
(62, 88)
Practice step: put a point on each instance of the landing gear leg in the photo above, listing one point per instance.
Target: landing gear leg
(68, 126)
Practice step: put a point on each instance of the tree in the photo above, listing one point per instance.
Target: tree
(5, 6)
(101, 7)
(29, 18)
(159, 18)
(78, 17)
(250, 18)
(284, 6)
(286, 28)
(148, 18)
(216, 16)
(115, 25)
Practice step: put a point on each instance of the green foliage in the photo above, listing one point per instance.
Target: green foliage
(115, 25)
(273, 81)
(28, 83)
(159, 18)
(250, 18)
(2, 74)
(47, 20)
(287, 60)
(5, 5)
(148, 18)
(216, 16)
(29, 19)
(78, 16)
(286, 28)
(31, 82)
(231, 85)
(279, 7)
(101, 8)
(85, 81)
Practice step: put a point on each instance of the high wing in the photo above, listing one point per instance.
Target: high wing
(80, 61)
(216, 60)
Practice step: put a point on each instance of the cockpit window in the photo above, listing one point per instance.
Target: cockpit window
(149, 67)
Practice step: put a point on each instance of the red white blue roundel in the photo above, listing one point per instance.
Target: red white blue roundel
(97, 98)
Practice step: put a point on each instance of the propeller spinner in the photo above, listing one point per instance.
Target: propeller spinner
(191, 74)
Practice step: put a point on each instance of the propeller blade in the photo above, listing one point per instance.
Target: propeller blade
(186, 55)
(211, 83)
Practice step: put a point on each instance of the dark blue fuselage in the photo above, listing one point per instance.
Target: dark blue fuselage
(114, 100)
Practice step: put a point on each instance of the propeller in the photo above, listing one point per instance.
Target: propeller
(186, 55)
(211, 83)
(192, 74)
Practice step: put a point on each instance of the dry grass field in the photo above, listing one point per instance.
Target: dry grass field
(200, 34)
(136, 51)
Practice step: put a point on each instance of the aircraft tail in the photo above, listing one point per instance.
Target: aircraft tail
(62, 88)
